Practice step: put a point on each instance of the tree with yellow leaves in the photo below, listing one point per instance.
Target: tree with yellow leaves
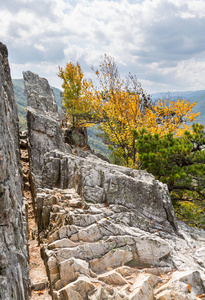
(124, 106)
(120, 106)
(77, 95)
(168, 147)
(170, 117)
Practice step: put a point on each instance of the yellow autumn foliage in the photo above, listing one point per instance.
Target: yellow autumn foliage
(120, 106)
(77, 95)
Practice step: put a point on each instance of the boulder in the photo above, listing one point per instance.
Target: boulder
(78, 289)
(182, 285)
(143, 287)
(112, 278)
(114, 258)
(76, 267)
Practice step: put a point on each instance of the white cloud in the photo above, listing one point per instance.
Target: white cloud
(40, 47)
(161, 41)
(191, 73)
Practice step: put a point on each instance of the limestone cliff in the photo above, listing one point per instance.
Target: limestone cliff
(14, 273)
(107, 232)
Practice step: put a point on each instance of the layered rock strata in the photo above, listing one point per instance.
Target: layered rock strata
(108, 232)
(96, 181)
(14, 272)
(92, 251)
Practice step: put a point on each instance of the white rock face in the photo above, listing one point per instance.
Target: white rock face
(121, 262)
(43, 122)
(144, 200)
(14, 272)
(108, 232)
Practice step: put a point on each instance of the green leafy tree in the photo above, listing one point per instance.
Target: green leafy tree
(180, 163)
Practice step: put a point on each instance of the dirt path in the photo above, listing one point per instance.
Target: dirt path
(39, 281)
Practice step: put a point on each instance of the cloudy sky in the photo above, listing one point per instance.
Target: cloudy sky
(162, 42)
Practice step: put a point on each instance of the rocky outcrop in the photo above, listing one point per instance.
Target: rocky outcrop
(14, 273)
(108, 232)
(43, 123)
(93, 251)
(99, 182)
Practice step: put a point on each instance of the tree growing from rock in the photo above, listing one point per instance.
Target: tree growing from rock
(77, 95)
